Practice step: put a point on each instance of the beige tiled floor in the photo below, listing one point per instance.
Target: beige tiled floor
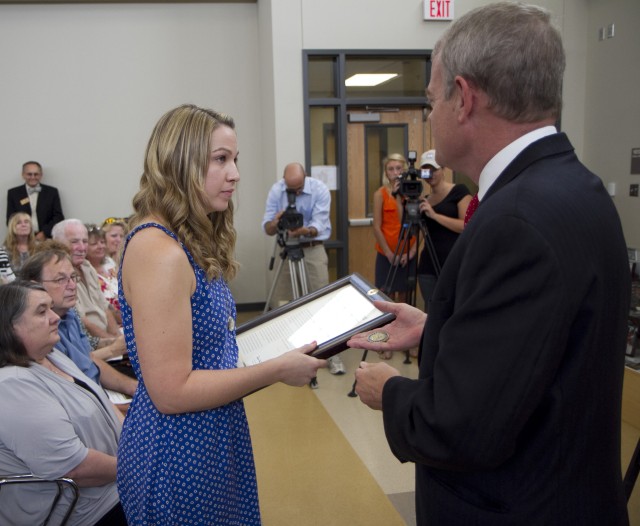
(308, 472)
(362, 426)
(363, 429)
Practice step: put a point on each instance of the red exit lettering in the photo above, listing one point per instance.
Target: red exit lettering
(439, 8)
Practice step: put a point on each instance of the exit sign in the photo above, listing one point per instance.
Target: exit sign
(438, 9)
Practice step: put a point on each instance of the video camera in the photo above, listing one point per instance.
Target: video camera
(291, 219)
(410, 185)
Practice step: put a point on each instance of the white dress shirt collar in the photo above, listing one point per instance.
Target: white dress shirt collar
(501, 160)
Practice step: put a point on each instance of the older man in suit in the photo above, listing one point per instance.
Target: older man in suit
(40, 201)
(515, 416)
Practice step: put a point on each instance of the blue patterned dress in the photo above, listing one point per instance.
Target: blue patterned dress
(190, 468)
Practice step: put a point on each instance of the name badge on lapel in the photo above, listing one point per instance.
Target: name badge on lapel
(24, 200)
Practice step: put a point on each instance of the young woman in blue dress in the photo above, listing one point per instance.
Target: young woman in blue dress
(185, 454)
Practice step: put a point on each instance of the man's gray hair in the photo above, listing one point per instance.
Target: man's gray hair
(58, 230)
(512, 52)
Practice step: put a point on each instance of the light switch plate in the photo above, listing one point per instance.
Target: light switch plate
(611, 30)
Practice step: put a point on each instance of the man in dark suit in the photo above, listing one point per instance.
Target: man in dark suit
(35, 196)
(515, 416)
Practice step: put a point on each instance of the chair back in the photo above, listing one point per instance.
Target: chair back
(60, 485)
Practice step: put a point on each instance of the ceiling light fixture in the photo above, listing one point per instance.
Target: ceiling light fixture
(368, 79)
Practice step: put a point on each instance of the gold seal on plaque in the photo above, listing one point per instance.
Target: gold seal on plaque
(378, 336)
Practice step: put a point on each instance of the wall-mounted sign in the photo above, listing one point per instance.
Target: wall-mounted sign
(327, 174)
(438, 9)
(635, 161)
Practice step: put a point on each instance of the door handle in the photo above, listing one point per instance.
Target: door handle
(361, 221)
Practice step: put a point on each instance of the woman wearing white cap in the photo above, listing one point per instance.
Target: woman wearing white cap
(443, 212)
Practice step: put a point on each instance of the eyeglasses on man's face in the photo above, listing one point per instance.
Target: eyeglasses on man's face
(63, 281)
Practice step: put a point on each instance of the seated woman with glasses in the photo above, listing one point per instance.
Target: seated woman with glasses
(56, 422)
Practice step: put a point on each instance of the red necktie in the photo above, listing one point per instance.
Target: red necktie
(473, 206)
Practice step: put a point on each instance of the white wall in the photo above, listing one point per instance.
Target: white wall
(82, 86)
(283, 112)
(612, 110)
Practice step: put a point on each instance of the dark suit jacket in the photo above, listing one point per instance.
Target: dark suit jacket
(515, 418)
(48, 209)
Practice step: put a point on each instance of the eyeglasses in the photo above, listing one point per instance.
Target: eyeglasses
(64, 281)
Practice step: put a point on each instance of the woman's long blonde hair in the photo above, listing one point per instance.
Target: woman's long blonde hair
(172, 187)
(11, 241)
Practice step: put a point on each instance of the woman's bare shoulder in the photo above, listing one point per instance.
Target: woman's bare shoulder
(379, 193)
(151, 235)
(154, 247)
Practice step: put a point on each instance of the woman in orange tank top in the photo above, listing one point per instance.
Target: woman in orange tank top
(387, 217)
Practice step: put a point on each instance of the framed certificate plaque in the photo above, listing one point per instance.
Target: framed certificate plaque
(329, 316)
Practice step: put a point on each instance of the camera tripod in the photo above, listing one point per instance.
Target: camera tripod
(412, 226)
(291, 252)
